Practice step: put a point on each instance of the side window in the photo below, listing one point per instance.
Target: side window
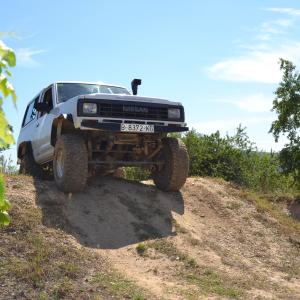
(47, 98)
(30, 113)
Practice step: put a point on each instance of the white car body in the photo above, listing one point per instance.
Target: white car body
(37, 129)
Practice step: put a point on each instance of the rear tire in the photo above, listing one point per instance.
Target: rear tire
(172, 176)
(70, 163)
(28, 166)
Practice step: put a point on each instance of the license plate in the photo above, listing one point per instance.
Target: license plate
(137, 128)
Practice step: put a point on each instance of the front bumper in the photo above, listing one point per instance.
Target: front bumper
(92, 124)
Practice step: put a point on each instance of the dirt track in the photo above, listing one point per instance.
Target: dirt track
(203, 243)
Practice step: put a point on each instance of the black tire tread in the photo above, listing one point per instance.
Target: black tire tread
(29, 166)
(75, 163)
(173, 175)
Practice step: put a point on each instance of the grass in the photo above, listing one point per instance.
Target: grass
(194, 242)
(119, 286)
(30, 269)
(50, 268)
(207, 281)
(40, 262)
(70, 270)
(233, 205)
(141, 249)
(178, 228)
(288, 224)
(37, 260)
(54, 271)
(63, 289)
(169, 249)
(210, 282)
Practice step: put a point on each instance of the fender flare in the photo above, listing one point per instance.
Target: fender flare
(23, 148)
(63, 121)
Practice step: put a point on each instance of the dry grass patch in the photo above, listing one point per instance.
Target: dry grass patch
(119, 286)
(287, 224)
(209, 282)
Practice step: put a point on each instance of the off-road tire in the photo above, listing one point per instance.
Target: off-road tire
(70, 163)
(28, 166)
(172, 175)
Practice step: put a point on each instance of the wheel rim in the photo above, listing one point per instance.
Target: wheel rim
(59, 164)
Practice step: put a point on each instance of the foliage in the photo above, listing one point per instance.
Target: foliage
(4, 204)
(235, 158)
(136, 173)
(212, 155)
(7, 60)
(287, 107)
(7, 166)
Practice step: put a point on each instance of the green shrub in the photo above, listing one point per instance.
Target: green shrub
(236, 159)
(4, 204)
(137, 173)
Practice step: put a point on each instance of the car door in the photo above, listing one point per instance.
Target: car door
(28, 130)
(44, 126)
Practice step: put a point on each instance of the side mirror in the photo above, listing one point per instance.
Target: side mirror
(134, 85)
(41, 106)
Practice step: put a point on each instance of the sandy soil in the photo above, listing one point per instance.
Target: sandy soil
(206, 242)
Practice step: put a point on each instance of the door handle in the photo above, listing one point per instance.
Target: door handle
(37, 124)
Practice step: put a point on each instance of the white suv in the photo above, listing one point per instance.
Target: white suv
(78, 129)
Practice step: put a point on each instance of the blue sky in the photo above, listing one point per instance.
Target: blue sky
(219, 58)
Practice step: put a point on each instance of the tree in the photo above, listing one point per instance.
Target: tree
(7, 60)
(287, 107)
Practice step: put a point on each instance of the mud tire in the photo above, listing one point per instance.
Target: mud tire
(70, 163)
(28, 165)
(172, 176)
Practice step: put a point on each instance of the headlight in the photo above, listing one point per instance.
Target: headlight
(89, 108)
(174, 113)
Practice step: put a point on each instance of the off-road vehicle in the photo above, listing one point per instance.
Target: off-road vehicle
(79, 129)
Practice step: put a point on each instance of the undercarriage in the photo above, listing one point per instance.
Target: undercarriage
(106, 152)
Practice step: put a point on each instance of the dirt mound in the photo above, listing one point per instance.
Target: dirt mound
(207, 242)
(111, 213)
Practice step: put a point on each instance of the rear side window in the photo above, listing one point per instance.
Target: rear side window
(30, 113)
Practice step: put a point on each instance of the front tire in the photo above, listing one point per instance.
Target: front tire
(172, 176)
(70, 163)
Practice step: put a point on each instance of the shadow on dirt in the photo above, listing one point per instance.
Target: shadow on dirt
(110, 213)
(294, 209)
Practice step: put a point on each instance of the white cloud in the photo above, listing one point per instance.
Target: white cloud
(259, 60)
(285, 10)
(252, 103)
(269, 29)
(256, 65)
(283, 22)
(26, 57)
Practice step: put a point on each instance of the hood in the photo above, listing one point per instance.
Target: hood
(128, 98)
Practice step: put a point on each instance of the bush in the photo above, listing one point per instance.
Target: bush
(4, 204)
(137, 173)
(235, 158)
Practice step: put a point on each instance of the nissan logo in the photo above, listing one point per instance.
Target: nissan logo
(137, 109)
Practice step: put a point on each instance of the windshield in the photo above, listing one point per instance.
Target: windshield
(66, 91)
